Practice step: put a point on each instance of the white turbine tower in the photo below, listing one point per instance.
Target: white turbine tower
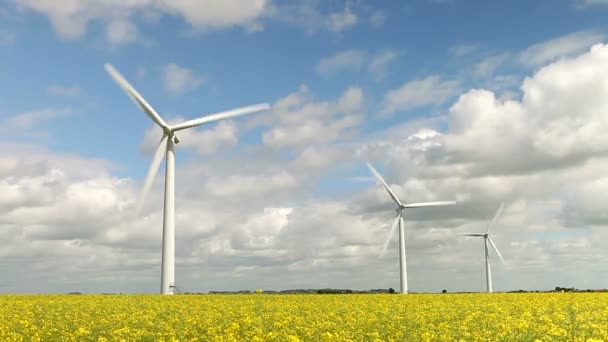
(166, 148)
(399, 220)
(486, 239)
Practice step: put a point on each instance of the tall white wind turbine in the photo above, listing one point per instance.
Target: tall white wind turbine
(486, 239)
(399, 221)
(166, 148)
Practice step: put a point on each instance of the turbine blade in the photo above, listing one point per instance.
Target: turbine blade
(379, 177)
(496, 249)
(429, 204)
(152, 171)
(471, 234)
(136, 97)
(220, 116)
(390, 234)
(495, 216)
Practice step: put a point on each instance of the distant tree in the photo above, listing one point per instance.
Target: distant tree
(391, 290)
(558, 289)
(258, 291)
(444, 291)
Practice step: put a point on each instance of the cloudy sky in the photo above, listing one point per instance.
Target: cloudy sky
(481, 102)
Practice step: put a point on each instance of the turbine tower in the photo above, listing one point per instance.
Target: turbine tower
(486, 239)
(399, 221)
(166, 148)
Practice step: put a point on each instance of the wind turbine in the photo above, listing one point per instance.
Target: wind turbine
(399, 220)
(166, 148)
(486, 239)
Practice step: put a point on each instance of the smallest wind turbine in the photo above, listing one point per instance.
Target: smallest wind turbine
(486, 239)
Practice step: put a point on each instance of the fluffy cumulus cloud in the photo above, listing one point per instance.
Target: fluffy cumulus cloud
(71, 19)
(582, 4)
(179, 79)
(64, 91)
(121, 20)
(563, 46)
(558, 121)
(355, 60)
(28, 122)
(310, 16)
(255, 218)
(344, 60)
(431, 90)
(378, 66)
(304, 121)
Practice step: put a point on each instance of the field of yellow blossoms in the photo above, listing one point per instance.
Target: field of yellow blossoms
(265, 317)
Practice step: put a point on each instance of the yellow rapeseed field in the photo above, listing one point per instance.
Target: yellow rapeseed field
(262, 317)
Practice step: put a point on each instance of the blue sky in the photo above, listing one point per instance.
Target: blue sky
(240, 67)
(450, 99)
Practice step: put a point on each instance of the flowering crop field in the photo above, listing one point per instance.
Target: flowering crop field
(261, 317)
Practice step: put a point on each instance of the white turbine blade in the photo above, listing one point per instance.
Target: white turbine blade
(495, 216)
(496, 249)
(390, 235)
(152, 171)
(390, 192)
(135, 96)
(471, 234)
(429, 204)
(220, 116)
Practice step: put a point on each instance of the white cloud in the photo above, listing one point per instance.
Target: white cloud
(310, 16)
(28, 120)
(379, 63)
(178, 79)
(341, 61)
(581, 4)
(342, 21)
(207, 141)
(64, 91)
(72, 19)
(304, 122)
(563, 46)
(488, 66)
(462, 50)
(121, 31)
(558, 122)
(247, 186)
(377, 19)
(355, 60)
(262, 231)
(119, 19)
(419, 93)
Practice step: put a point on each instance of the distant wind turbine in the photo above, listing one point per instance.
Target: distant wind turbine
(399, 220)
(486, 239)
(166, 148)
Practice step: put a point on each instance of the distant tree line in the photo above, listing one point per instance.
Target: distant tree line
(305, 291)
(349, 291)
